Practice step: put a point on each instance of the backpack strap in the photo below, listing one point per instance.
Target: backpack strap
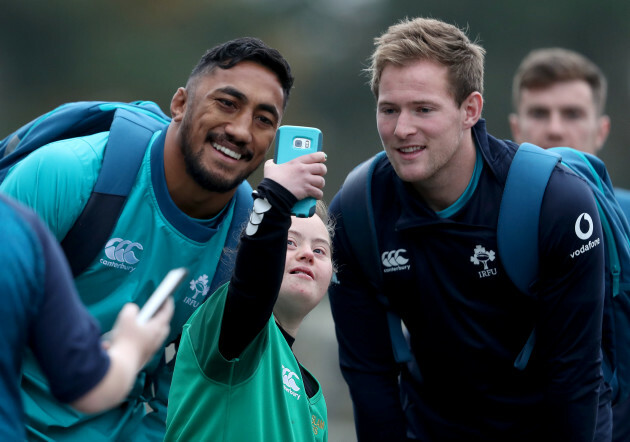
(69, 120)
(517, 227)
(130, 133)
(356, 210)
(242, 206)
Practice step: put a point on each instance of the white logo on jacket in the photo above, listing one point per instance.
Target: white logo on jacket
(578, 226)
(394, 261)
(483, 256)
(290, 386)
(200, 287)
(121, 253)
(584, 235)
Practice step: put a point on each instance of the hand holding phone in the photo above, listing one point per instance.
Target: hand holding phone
(292, 142)
(171, 281)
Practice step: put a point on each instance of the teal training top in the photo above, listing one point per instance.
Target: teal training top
(151, 237)
(259, 396)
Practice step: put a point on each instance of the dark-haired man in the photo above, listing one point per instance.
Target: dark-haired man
(559, 99)
(179, 213)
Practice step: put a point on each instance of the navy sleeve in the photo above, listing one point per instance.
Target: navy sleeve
(571, 297)
(258, 273)
(365, 351)
(64, 337)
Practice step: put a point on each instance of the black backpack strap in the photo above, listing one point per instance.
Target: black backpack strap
(358, 217)
(129, 137)
(243, 203)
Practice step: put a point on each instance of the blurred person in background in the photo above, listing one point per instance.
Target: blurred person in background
(42, 311)
(559, 99)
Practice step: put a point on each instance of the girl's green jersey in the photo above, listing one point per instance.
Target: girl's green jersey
(259, 396)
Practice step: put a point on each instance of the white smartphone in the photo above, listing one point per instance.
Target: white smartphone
(171, 281)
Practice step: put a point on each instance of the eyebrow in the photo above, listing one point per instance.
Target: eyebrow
(319, 240)
(242, 97)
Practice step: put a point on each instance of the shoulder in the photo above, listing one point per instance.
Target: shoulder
(25, 240)
(566, 190)
(569, 217)
(17, 218)
(67, 161)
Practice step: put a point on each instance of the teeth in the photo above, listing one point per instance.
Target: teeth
(228, 152)
(411, 149)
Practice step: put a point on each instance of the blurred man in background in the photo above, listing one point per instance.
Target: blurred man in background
(559, 99)
(42, 311)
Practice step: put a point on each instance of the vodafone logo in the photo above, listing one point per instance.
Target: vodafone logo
(584, 231)
(579, 231)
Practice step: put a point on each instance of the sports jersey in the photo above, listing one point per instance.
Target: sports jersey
(37, 291)
(466, 320)
(151, 237)
(260, 394)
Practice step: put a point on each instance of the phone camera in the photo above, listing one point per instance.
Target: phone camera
(301, 143)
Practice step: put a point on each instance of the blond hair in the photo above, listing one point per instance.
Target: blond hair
(428, 39)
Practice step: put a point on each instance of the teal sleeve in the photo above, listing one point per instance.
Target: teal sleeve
(56, 180)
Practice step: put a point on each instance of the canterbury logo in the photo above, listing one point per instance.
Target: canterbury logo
(121, 250)
(287, 379)
(290, 386)
(394, 258)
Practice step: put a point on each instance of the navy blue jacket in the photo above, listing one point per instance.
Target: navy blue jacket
(41, 310)
(466, 320)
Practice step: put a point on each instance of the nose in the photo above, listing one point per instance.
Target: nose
(404, 125)
(556, 126)
(305, 254)
(239, 127)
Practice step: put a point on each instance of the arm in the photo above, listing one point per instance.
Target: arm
(365, 352)
(79, 370)
(570, 313)
(259, 266)
(132, 346)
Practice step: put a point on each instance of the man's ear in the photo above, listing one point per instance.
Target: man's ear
(178, 104)
(515, 127)
(472, 107)
(603, 129)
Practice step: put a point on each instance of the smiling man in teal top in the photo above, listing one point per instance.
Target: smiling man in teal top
(179, 214)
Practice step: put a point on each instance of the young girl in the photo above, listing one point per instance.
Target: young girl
(236, 377)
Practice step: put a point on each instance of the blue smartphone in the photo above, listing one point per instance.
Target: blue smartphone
(292, 142)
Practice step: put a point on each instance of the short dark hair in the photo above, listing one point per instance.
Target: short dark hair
(543, 68)
(230, 53)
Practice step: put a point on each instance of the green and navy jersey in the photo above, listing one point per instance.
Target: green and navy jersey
(258, 396)
(151, 237)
